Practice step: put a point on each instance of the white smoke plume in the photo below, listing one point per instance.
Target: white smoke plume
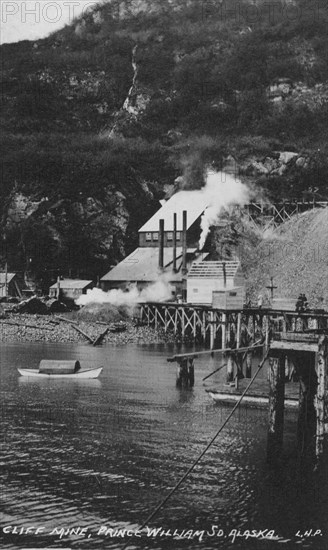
(222, 190)
(156, 292)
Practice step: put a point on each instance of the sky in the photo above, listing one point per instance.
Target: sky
(33, 19)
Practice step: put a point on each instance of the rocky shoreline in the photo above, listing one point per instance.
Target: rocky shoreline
(22, 328)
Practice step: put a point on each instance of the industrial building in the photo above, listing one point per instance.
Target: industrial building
(169, 249)
(168, 245)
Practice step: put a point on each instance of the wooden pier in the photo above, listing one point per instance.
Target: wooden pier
(206, 325)
(296, 344)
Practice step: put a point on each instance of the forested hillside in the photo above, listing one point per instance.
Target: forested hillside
(101, 117)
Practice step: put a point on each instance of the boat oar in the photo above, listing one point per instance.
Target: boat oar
(216, 370)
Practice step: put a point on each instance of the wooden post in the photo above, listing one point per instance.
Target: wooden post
(267, 333)
(156, 321)
(253, 328)
(182, 322)
(229, 369)
(224, 330)
(58, 288)
(276, 407)
(6, 281)
(182, 373)
(238, 335)
(305, 363)
(204, 326)
(211, 330)
(191, 372)
(248, 370)
(321, 369)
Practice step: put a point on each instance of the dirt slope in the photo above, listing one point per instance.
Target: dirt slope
(296, 256)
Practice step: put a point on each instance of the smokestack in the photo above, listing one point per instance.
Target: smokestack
(184, 242)
(161, 245)
(174, 243)
(224, 274)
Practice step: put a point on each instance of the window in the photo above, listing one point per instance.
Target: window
(195, 290)
(148, 236)
(155, 236)
(170, 236)
(178, 235)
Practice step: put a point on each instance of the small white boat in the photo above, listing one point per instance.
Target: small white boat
(255, 400)
(89, 373)
(60, 369)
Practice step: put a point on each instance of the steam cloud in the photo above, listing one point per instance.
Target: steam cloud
(157, 292)
(222, 190)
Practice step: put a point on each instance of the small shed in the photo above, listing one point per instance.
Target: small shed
(205, 278)
(9, 285)
(228, 299)
(70, 288)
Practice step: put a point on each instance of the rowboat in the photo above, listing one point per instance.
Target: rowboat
(60, 369)
(88, 373)
(252, 400)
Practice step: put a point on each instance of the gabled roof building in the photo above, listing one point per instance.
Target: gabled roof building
(143, 266)
(169, 247)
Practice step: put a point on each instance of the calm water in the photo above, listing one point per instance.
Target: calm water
(101, 454)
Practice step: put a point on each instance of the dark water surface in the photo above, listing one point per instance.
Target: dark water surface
(101, 454)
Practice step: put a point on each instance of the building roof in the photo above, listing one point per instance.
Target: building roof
(195, 202)
(10, 277)
(213, 270)
(72, 283)
(142, 265)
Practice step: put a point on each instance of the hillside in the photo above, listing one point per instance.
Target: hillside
(100, 118)
(296, 257)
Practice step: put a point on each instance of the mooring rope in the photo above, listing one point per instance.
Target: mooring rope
(194, 464)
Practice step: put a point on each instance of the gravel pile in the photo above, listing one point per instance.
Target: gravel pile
(296, 256)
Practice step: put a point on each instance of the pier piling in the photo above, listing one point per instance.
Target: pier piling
(276, 407)
(321, 369)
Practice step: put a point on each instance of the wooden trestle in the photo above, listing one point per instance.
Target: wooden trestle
(300, 340)
(206, 325)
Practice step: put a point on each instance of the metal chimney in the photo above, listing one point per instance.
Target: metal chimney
(184, 242)
(224, 274)
(174, 243)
